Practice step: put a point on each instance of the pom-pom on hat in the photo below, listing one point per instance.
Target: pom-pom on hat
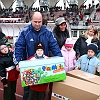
(93, 47)
(39, 45)
(60, 20)
(69, 43)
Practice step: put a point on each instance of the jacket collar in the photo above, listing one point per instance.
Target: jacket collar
(90, 57)
(37, 57)
(42, 29)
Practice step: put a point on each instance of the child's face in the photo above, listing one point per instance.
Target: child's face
(4, 49)
(91, 53)
(68, 48)
(39, 52)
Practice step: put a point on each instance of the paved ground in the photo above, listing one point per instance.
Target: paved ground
(19, 91)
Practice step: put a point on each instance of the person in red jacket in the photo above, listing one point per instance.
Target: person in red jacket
(8, 72)
(37, 92)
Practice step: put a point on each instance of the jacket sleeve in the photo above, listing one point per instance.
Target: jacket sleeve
(98, 44)
(74, 60)
(53, 45)
(3, 73)
(98, 66)
(19, 48)
(78, 63)
(77, 47)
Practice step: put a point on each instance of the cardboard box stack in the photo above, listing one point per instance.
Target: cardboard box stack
(78, 85)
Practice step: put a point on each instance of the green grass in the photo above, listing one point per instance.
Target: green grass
(52, 78)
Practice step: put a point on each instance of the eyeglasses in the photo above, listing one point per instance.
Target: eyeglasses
(3, 48)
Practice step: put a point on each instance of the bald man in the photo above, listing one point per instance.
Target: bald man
(37, 21)
(24, 48)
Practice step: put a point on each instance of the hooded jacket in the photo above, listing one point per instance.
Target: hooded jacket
(28, 37)
(8, 72)
(69, 57)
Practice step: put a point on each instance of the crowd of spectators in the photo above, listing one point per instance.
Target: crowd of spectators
(9, 13)
(97, 14)
(25, 15)
(72, 15)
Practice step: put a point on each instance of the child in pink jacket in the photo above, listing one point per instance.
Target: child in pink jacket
(69, 54)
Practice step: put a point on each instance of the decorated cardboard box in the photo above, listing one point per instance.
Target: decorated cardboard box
(75, 89)
(41, 71)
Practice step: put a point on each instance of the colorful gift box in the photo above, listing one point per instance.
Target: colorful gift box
(41, 71)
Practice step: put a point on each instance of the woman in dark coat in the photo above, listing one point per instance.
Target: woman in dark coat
(60, 31)
(90, 36)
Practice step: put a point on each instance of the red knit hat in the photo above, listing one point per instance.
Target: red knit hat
(69, 43)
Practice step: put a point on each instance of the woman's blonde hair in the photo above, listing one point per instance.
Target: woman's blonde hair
(91, 27)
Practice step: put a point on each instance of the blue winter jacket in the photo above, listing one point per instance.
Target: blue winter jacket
(88, 65)
(24, 46)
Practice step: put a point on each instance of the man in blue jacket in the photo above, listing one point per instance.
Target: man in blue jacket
(30, 34)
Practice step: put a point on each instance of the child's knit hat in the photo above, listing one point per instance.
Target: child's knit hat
(2, 43)
(39, 45)
(69, 43)
(93, 47)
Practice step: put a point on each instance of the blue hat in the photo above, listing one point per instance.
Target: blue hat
(93, 47)
(2, 43)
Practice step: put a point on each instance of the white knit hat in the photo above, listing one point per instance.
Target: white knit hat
(69, 43)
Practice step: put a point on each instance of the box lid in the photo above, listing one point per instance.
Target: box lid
(84, 76)
(38, 62)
